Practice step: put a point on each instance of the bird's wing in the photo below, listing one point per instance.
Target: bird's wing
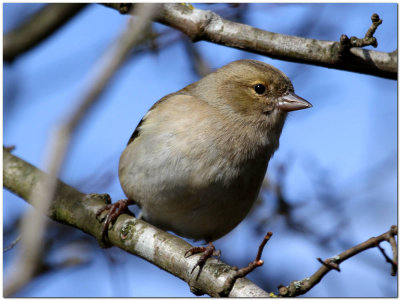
(135, 133)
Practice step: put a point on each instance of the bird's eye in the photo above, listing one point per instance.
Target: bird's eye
(259, 88)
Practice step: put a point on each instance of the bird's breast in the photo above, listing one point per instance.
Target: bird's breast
(197, 176)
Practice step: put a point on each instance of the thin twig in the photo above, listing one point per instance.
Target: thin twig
(376, 21)
(9, 148)
(38, 28)
(246, 270)
(199, 64)
(388, 259)
(300, 287)
(257, 262)
(330, 264)
(34, 224)
(392, 242)
(14, 242)
(368, 40)
(122, 8)
(262, 245)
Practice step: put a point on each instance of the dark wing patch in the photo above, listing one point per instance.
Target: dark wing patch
(135, 134)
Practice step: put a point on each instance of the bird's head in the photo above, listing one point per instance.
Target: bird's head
(253, 87)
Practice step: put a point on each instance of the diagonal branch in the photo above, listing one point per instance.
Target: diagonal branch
(137, 237)
(37, 28)
(200, 25)
(389, 260)
(300, 287)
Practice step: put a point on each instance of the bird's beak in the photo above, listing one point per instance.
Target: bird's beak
(291, 101)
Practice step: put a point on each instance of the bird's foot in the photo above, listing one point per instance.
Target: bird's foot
(207, 251)
(114, 211)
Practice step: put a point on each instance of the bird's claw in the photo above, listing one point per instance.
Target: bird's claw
(194, 250)
(207, 253)
(114, 211)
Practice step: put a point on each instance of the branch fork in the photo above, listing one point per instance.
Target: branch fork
(300, 287)
(258, 262)
(368, 40)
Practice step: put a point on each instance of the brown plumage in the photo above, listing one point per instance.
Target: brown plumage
(196, 161)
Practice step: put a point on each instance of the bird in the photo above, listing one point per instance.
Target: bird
(196, 161)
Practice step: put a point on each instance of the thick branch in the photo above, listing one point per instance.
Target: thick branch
(134, 236)
(37, 28)
(203, 25)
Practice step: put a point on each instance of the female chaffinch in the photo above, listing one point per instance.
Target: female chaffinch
(196, 161)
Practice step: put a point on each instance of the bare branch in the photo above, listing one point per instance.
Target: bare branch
(388, 259)
(376, 21)
(200, 25)
(329, 263)
(300, 287)
(392, 242)
(12, 245)
(9, 148)
(368, 40)
(123, 8)
(37, 28)
(137, 237)
(258, 262)
(197, 61)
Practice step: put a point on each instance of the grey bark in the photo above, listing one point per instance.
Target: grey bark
(137, 237)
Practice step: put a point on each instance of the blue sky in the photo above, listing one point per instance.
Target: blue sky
(348, 139)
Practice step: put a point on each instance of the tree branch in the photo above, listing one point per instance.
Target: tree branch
(368, 40)
(200, 25)
(137, 237)
(12, 245)
(37, 28)
(300, 287)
